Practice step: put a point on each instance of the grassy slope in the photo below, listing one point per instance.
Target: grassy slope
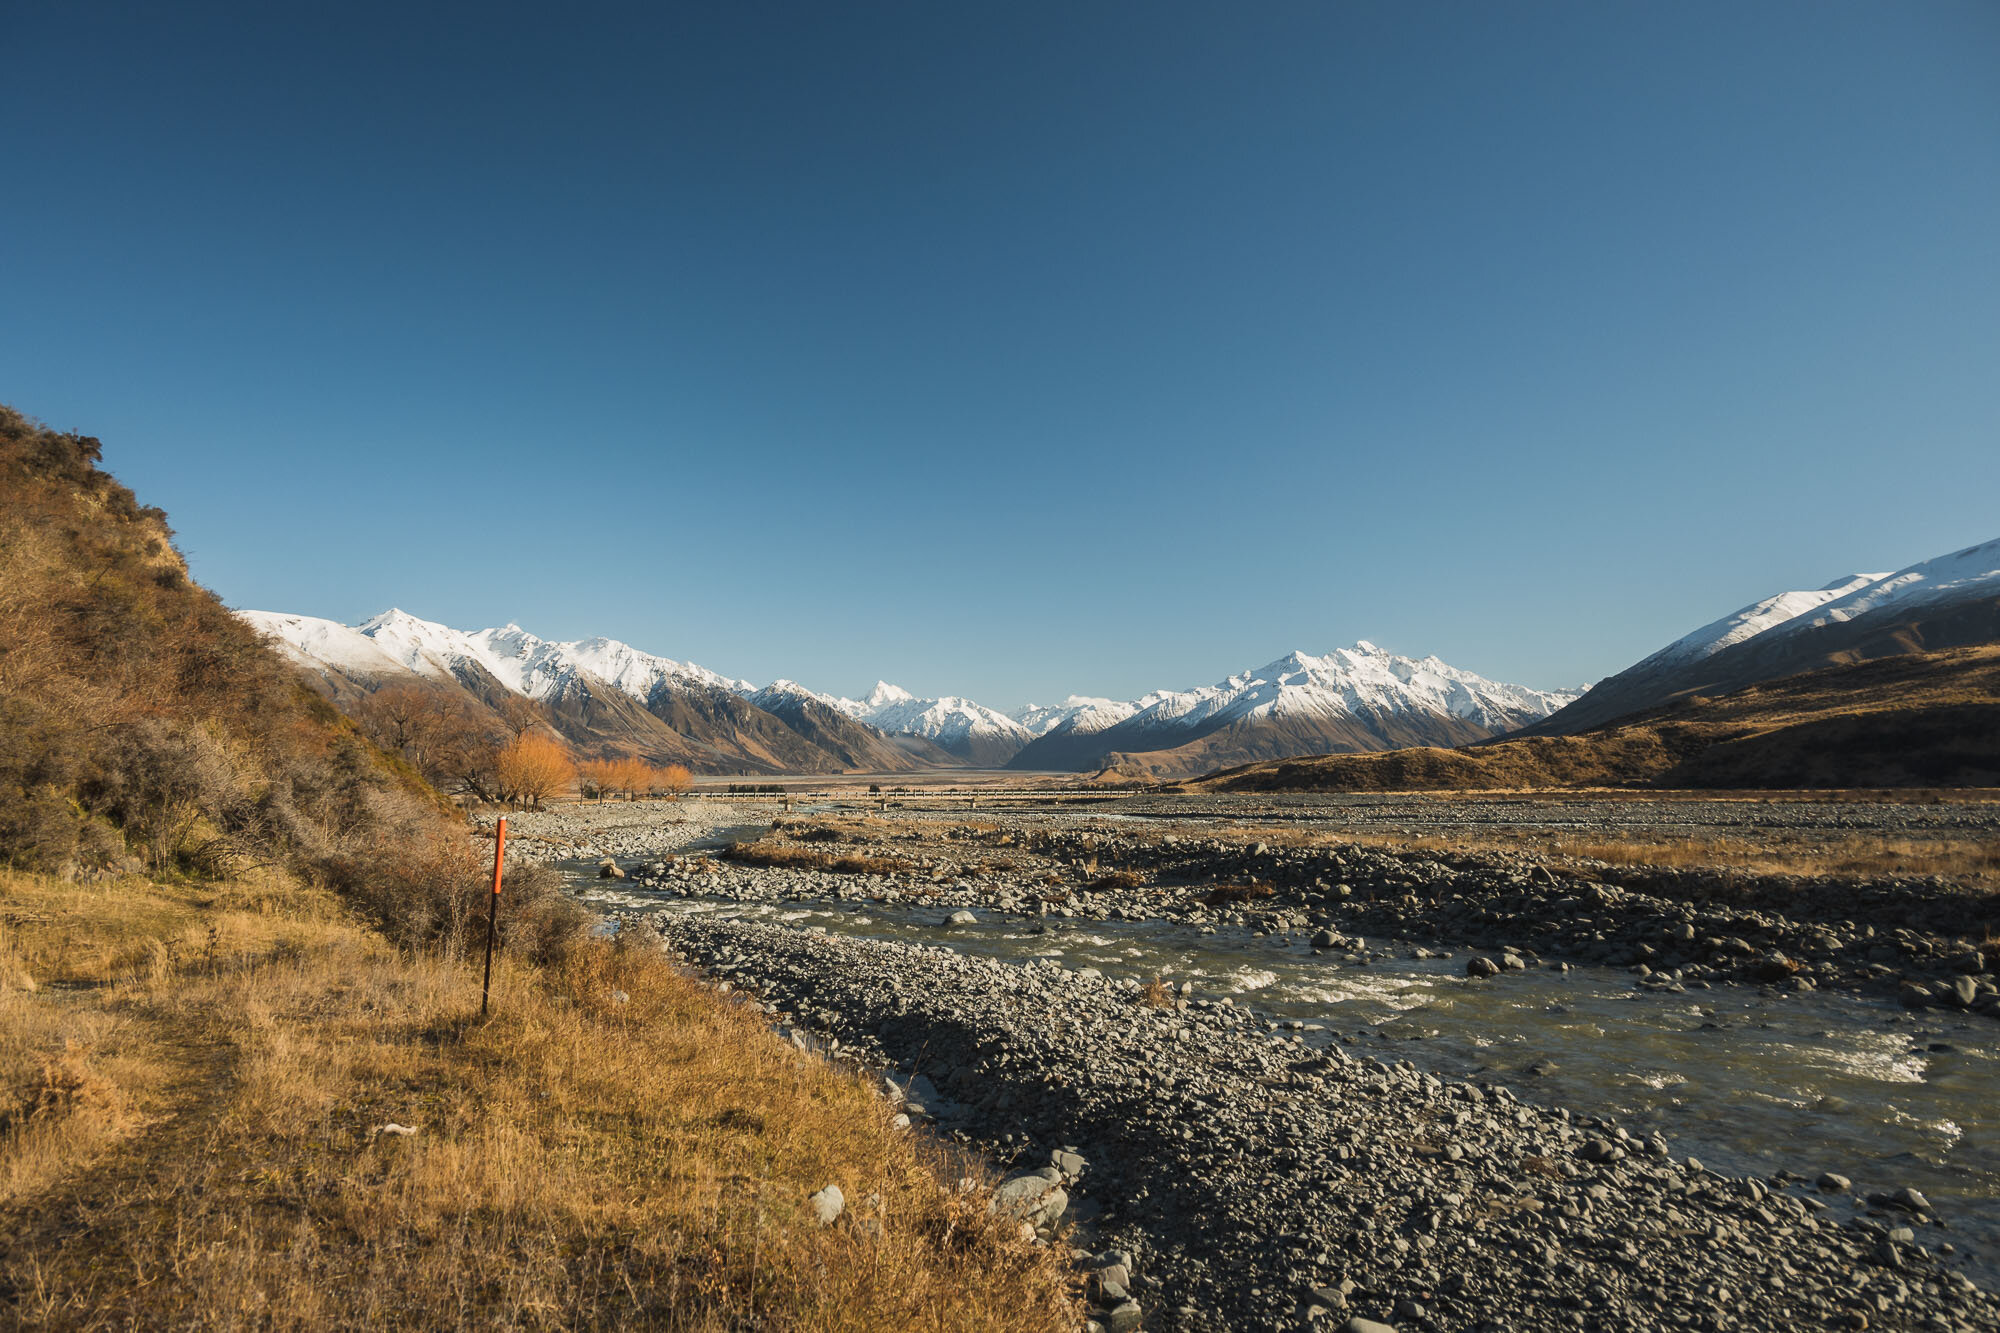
(1923, 719)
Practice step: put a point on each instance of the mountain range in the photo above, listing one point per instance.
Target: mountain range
(609, 697)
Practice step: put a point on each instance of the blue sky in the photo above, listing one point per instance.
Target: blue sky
(1021, 349)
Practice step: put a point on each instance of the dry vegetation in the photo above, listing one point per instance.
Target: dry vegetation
(193, 1085)
(1921, 719)
(1968, 860)
(785, 856)
(633, 777)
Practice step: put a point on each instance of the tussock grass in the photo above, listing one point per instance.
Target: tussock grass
(1223, 895)
(203, 1144)
(787, 857)
(1971, 861)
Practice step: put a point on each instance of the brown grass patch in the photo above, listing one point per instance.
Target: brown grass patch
(1118, 879)
(783, 856)
(1223, 895)
(203, 1146)
(1971, 861)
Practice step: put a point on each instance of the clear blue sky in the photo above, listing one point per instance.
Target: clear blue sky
(1018, 349)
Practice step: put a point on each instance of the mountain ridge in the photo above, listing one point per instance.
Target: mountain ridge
(1948, 601)
(1359, 698)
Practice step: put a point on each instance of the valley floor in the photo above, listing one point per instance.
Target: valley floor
(1254, 1046)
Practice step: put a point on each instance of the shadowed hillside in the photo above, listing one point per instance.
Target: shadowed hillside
(1920, 719)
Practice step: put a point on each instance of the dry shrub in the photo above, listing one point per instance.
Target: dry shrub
(1223, 895)
(67, 1085)
(1118, 879)
(784, 857)
(1155, 995)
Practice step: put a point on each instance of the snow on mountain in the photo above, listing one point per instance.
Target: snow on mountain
(1348, 682)
(950, 721)
(1755, 619)
(781, 689)
(525, 663)
(1081, 714)
(1972, 572)
(310, 640)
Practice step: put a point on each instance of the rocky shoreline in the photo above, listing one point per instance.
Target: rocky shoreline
(1261, 1184)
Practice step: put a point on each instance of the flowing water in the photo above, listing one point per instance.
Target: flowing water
(1749, 1081)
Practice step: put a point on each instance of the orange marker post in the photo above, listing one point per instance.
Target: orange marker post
(493, 908)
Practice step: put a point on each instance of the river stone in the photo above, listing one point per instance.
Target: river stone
(826, 1205)
(1123, 1317)
(1831, 1183)
(1359, 1325)
(1031, 1196)
(1481, 966)
(960, 918)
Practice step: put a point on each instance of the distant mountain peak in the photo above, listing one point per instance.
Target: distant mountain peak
(884, 694)
(1363, 646)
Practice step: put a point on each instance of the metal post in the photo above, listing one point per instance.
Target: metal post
(493, 909)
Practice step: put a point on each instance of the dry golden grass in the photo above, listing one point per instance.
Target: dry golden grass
(788, 857)
(1971, 861)
(200, 1143)
(1223, 895)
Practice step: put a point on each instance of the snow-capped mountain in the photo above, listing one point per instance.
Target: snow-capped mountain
(1079, 712)
(1754, 619)
(975, 733)
(607, 693)
(605, 696)
(1358, 698)
(1949, 601)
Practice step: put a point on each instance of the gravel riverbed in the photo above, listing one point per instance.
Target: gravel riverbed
(1235, 1175)
(1261, 1185)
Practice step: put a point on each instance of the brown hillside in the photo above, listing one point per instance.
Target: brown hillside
(143, 725)
(1921, 719)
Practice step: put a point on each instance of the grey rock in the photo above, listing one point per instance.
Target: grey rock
(1481, 966)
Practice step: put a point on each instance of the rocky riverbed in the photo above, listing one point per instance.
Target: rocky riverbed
(1250, 1172)
(1262, 1184)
